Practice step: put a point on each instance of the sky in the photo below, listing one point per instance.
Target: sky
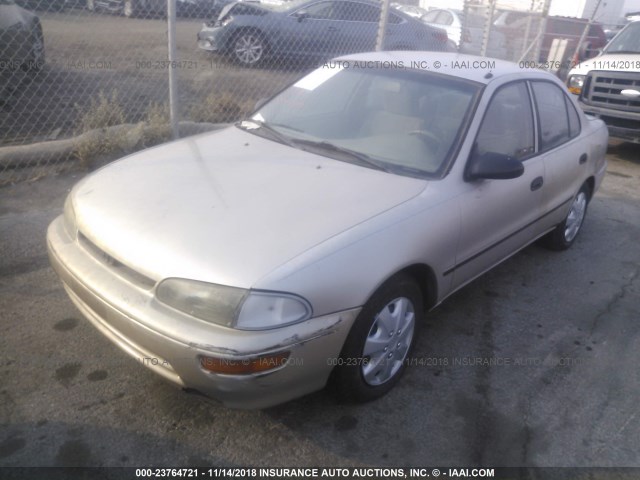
(632, 6)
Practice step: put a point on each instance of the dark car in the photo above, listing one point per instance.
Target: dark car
(21, 39)
(251, 32)
(47, 5)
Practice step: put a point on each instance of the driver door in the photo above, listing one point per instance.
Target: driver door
(501, 216)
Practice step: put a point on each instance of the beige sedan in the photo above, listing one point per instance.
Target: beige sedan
(305, 243)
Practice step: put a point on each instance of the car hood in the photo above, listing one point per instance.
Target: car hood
(244, 8)
(227, 207)
(627, 62)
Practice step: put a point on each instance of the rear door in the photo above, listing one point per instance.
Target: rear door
(356, 29)
(565, 156)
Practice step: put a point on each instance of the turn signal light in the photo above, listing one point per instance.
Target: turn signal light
(245, 366)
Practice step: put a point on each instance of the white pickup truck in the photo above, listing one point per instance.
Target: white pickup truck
(608, 86)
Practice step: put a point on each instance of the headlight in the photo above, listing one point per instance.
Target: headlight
(70, 218)
(233, 307)
(575, 84)
(223, 22)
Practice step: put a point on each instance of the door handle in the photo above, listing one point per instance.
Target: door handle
(536, 183)
(583, 159)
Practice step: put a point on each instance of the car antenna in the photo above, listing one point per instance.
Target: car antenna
(488, 75)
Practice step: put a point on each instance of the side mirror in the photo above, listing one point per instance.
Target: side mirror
(301, 15)
(494, 166)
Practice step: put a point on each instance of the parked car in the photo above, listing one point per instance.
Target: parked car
(21, 39)
(304, 243)
(608, 86)
(411, 10)
(47, 5)
(251, 32)
(467, 32)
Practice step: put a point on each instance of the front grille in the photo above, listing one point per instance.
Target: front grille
(117, 267)
(603, 89)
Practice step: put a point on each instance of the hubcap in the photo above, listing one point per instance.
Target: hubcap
(388, 341)
(248, 49)
(575, 217)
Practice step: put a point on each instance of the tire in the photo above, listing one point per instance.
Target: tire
(374, 355)
(91, 5)
(36, 58)
(248, 48)
(563, 236)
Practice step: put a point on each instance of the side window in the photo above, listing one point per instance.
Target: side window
(445, 18)
(322, 10)
(430, 17)
(574, 120)
(552, 113)
(507, 126)
(357, 12)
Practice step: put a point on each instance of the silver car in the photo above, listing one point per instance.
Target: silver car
(305, 243)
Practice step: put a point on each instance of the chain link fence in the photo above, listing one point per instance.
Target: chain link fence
(71, 68)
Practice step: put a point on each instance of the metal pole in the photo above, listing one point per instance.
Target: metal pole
(382, 26)
(527, 30)
(586, 30)
(543, 30)
(486, 32)
(173, 72)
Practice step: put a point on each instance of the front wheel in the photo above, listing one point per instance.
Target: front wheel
(375, 353)
(35, 60)
(249, 48)
(129, 8)
(563, 236)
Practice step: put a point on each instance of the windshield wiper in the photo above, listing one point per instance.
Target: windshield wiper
(250, 124)
(613, 52)
(361, 158)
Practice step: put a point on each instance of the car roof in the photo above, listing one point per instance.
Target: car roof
(470, 67)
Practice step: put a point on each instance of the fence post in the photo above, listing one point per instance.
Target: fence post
(585, 32)
(173, 72)
(486, 31)
(382, 26)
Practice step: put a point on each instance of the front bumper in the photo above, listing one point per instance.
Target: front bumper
(172, 343)
(623, 125)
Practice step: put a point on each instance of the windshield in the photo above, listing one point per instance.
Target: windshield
(402, 121)
(627, 41)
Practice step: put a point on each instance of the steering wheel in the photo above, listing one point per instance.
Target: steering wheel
(428, 137)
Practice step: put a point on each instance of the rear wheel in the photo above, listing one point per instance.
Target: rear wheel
(563, 236)
(376, 350)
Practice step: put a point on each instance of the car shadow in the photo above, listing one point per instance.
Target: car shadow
(627, 151)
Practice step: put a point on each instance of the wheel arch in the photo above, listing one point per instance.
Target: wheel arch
(591, 183)
(425, 277)
(245, 29)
